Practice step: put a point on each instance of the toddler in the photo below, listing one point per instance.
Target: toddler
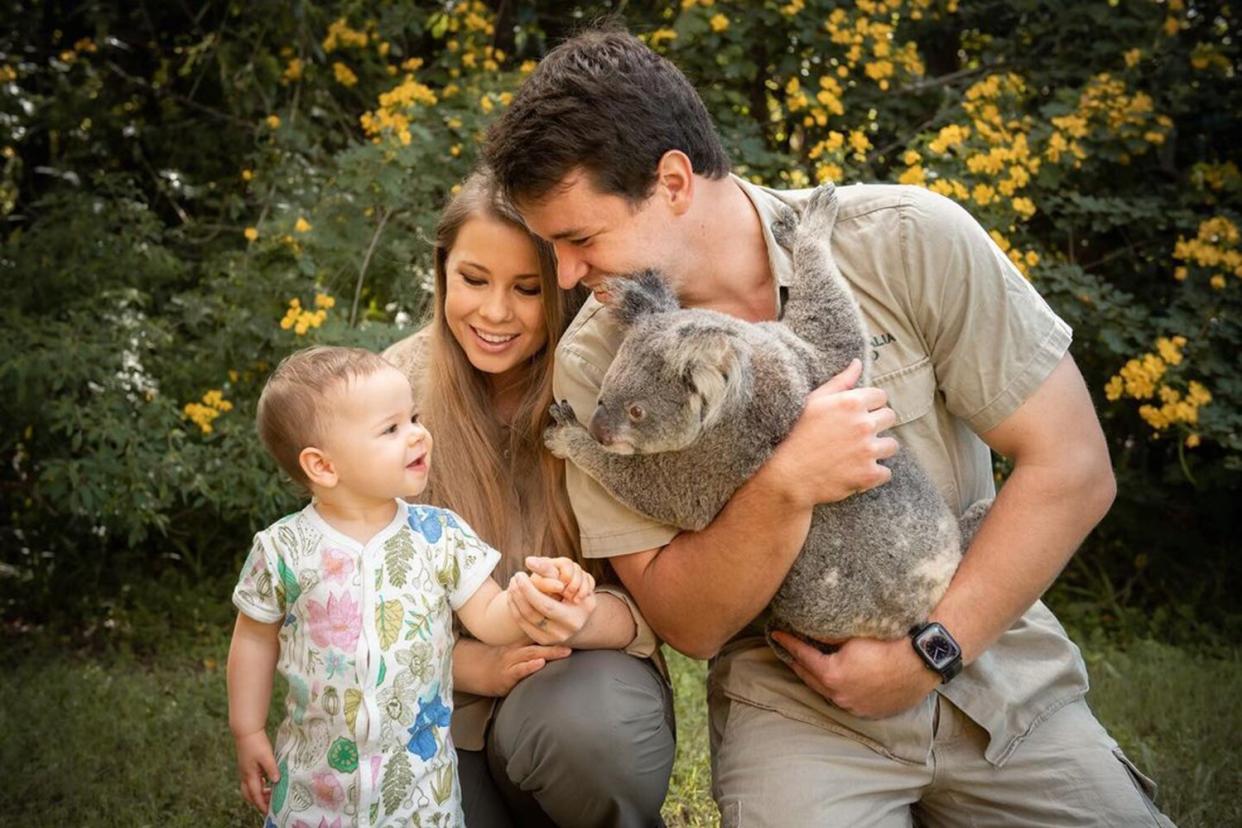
(350, 600)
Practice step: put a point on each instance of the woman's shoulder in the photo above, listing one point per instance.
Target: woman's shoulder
(410, 355)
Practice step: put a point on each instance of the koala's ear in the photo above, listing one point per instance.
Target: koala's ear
(714, 366)
(640, 294)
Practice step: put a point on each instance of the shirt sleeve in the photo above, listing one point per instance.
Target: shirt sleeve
(471, 560)
(256, 595)
(606, 526)
(991, 337)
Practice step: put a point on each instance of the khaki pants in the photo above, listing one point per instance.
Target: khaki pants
(769, 770)
(586, 741)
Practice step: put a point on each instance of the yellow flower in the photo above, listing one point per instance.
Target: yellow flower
(293, 71)
(251, 233)
(1024, 207)
(719, 22)
(247, 175)
(1112, 390)
(1192, 441)
(273, 121)
(1180, 273)
(344, 75)
(485, 103)
(1217, 281)
(859, 142)
(1132, 57)
(983, 194)
(412, 64)
(913, 175)
(301, 225)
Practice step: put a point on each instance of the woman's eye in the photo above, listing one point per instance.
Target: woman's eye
(472, 280)
(529, 291)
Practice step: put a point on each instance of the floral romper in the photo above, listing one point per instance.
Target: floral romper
(366, 644)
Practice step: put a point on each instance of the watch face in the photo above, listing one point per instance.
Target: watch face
(938, 648)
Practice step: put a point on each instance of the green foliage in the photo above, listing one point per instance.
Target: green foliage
(173, 179)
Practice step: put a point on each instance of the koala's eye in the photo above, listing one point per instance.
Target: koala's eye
(636, 413)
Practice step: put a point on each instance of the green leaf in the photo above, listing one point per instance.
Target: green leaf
(353, 698)
(398, 552)
(388, 615)
(396, 782)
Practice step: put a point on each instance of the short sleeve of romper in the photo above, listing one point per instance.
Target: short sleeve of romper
(464, 560)
(258, 593)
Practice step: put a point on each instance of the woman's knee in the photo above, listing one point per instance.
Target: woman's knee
(600, 714)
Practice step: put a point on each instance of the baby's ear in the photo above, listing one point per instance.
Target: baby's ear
(317, 467)
(640, 294)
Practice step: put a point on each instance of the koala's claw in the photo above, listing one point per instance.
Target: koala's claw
(821, 210)
(562, 413)
(785, 226)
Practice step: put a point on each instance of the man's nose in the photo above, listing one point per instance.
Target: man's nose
(570, 268)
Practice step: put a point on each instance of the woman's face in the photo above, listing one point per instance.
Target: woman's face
(492, 300)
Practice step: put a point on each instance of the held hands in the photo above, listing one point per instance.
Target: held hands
(554, 602)
(833, 449)
(256, 763)
(866, 677)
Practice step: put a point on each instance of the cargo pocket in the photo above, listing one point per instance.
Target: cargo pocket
(911, 390)
(1146, 786)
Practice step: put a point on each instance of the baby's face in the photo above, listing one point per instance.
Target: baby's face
(373, 438)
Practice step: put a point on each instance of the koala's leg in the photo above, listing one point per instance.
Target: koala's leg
(821, 308)
(970, 520)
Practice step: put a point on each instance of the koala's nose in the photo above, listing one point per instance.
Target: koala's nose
(599, 426)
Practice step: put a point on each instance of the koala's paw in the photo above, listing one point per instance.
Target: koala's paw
(562, 413)
(785, 226)
(820, 212)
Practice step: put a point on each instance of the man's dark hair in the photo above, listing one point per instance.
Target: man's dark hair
(601, 101)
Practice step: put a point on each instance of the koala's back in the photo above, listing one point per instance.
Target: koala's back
(874, 564)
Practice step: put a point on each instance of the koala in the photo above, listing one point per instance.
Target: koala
(696, 401)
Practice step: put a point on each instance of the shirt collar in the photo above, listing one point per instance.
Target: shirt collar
(768, 204)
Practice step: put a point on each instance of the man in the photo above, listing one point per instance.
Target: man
(610, 155)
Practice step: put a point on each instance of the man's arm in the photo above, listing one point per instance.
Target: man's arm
(1061, 486)
(702, 587)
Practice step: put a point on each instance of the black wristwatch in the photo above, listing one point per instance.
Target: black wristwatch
(938, 649)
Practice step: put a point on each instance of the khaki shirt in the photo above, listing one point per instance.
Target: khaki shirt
(471, 713)
(959, 339)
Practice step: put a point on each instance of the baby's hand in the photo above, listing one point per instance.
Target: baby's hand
(560, 576)
(256, 761)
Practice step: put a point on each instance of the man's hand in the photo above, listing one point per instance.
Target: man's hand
(866, 677)
(834, 449)
(256, 763)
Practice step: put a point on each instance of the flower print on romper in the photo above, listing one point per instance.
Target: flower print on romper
(336, 625)
(432, 713)
(336, 565)
(426, 521)
(328, 791)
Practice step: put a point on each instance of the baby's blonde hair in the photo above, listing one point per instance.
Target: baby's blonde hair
(293, 406)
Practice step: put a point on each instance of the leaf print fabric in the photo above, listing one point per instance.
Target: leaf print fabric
(366, 646)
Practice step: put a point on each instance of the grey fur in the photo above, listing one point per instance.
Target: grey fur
(695, 402)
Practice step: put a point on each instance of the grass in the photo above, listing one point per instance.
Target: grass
(135, 733)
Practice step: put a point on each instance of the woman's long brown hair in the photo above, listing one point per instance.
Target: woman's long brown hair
(476, 465)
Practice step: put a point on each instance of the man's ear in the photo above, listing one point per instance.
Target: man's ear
(318, 467)
(675, 180)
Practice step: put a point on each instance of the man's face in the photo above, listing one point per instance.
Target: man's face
(597, 235)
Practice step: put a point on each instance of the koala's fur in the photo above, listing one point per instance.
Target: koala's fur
(694, 403)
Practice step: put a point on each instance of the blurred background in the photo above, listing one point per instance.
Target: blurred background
(191, 190)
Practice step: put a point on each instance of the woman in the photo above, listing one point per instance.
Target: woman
(577, 728)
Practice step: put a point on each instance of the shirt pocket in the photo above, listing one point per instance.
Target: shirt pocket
(911, 390)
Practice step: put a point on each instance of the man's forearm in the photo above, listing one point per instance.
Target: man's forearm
(1037, 522)
(703, 587)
